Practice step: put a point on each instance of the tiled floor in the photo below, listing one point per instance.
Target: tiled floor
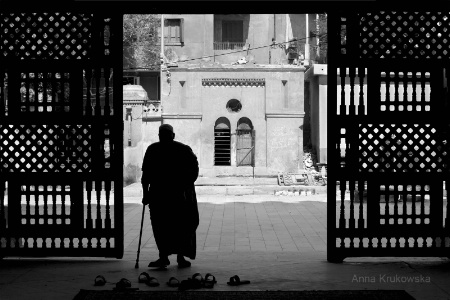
(279, 243)
(269, 225)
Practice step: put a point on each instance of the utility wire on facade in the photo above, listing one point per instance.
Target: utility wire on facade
(243, 50)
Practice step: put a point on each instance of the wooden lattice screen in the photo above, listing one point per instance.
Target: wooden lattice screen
(61, 134)
(390, 146)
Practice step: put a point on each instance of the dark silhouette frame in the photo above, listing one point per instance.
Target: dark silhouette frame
(61, 133)
(385, 194)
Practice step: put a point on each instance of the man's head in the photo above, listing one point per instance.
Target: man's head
(166, 134)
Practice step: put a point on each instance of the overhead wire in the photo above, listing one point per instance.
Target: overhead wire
(238, 51)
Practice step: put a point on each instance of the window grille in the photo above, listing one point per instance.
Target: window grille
(222, 143)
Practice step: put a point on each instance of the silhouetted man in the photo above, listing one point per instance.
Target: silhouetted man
(169, 171)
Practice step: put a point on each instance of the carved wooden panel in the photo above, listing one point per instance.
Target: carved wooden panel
(402, 148)
(60, 139)
(390, 134)
(390, 34)
(46, 148)
(46, 35)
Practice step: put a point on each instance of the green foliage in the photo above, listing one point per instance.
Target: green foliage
(321, 33)
(141, 45)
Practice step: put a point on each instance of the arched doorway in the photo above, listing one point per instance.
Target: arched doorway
(222, 142)
(245, 143)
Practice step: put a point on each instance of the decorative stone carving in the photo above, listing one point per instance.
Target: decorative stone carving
(153, 108)
(234, 82)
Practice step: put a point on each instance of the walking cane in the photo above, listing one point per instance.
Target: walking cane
(136, 266)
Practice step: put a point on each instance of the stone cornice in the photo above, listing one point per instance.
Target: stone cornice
(234, 82)
(182, 116)
(240, 69)
(285, 115)
(133, 102)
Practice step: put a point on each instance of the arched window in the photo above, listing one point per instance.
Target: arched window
(245, 143)
(244, 123)
(222, 142)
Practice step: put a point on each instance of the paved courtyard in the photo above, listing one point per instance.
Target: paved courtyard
(246, 223)
(279, 243)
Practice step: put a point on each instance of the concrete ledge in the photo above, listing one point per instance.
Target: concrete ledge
(182, 116)
(258, 190)
(285, 114)
(211, 190)
(239, 190)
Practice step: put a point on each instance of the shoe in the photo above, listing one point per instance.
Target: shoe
(235, 280)
(99, 281)
(173, 282)
(160, 263)
(184, 264)
(197, 280)
(209, 283)
(123, 285)
(193, 283)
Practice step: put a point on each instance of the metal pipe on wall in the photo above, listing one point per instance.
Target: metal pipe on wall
(162, 35)
(307, 41)
(162, 62)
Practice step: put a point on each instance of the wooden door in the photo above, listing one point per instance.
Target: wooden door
(245, 147)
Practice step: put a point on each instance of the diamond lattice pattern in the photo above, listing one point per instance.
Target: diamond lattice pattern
(45, 35)
(404, 35)
(401, 148)
(45, 148)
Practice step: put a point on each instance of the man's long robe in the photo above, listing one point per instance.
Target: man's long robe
(171, 170)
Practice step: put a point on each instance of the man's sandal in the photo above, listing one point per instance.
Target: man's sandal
(185, 285)
(184, 264)
(124, 284)
(173, 282)
(209, 283)
(197, 280)
(99, 280)
(147, 279)
(235, 280)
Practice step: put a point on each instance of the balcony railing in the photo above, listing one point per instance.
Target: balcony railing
(228, 46)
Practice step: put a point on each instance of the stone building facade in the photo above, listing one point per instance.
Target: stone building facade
(233, 90)
(268, 100)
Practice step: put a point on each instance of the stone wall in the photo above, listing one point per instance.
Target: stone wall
(201, 31)
(142, 127)
(271, 97)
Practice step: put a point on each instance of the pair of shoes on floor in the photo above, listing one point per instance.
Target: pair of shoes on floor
(122, 284)
(148, 280)
(197, 281)
(160, 263)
